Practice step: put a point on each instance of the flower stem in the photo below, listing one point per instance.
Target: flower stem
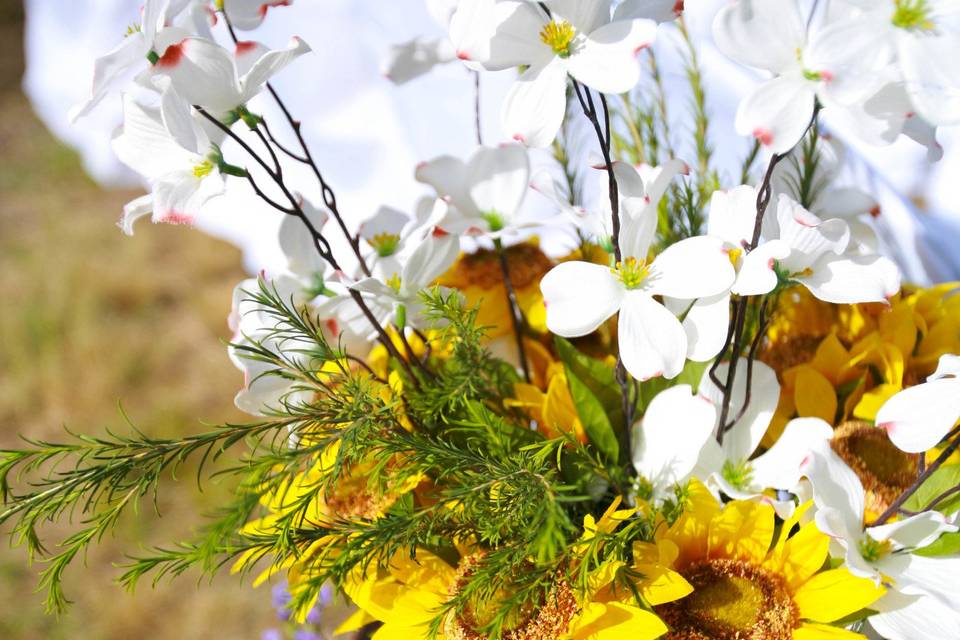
(516, 314)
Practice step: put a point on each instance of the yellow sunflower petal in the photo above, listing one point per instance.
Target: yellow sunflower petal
(809, 631)
(833, 594)
(689, 532)
(800, 556)
(742, 531)
(814, 395)
(400, 632)
(354, 621)
(614, 621)
(660, 584)
(427, 572)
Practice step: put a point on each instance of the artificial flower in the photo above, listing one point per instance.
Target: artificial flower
(576, 37)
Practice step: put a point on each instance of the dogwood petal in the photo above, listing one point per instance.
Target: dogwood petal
(417, 57)
(778, 112)
(499, 35)
(247, 15)
(657, 10)
(579, 297)
(705, 324)
(448, 176)
(667, 441)
(203, 73)
(178, 197)
(808, 236)
(932, 76)
(658, 179)
(695, 267)
(779, 466)
(835, 487)
(757, 276)
(429, 260)
(297, 243)
(607, 60)
(760, 33)
(499, 178)
(914, 532)
(845, 202)
(133, 211)
(146, 146)
(584, 15)
(629, 182)
(652, 340)
(903, 617)
(534, 107)
(636, 229)
(934, 577)
(268, 65)
(108, 68)
(733, 213)
(852, 279)
(917, 418)
(744, 436)
(948, 365)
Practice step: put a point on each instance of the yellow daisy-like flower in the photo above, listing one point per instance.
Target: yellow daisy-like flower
(749, 585)
(844, 362)
(547, 400)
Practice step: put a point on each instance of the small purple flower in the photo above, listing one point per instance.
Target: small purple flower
(313, 616)
(306, 634)
(280, 597)
(271, 634)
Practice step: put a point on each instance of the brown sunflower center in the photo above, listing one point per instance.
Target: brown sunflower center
(731, 600)
(884, 470)
(526, 263)
(547, 621)
(789, 351)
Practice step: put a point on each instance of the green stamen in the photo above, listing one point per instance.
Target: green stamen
(385, 244)
(631, 272)
(737, 474)
(912, 15)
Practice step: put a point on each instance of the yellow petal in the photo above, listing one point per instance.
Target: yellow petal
(831, 359)
(814, 395)
(810, 631)
(689, 532)
(742, 531)
(799, 557)
(833, 594)
(615, 621)
(660, 584)
(872, 400)
(401, 632)
(427, 572)
(354, 621)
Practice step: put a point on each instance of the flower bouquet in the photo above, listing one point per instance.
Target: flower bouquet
(584, 388)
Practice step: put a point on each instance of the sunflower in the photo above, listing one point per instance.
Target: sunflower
(410, 593)
(546, 399)
(748, 586)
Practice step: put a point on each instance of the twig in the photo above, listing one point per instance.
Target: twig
(903, 497)
(516, 314)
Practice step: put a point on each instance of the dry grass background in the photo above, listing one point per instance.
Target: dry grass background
(90, 318)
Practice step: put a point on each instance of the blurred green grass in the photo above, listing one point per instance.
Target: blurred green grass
(90, 318)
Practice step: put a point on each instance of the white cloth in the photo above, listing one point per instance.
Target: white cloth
(368, 135)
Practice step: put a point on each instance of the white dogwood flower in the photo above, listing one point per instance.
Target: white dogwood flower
(484, 193)
(147, 40)
(920, 37)
(396, 300)
(578, 38)
(580, 296)
(819, 261)
(247, 15)
(919, 417)
(208, 75)
(883, 553)
(668, 439)
(172, 151)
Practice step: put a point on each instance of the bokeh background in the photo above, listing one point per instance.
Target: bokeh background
(89, 320)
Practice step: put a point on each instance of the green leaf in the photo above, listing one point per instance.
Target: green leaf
(594, 418)
(943, 479)
(599, 378)
(946, 545)
(692, 374)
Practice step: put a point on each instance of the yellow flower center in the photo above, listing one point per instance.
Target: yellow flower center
(873, 550)
(385, 244)
(559, 37)
(734, 255)
(884, 470)
(203, 169)
(731, 600)
(912, 15)
(632, 272)
(394, 282)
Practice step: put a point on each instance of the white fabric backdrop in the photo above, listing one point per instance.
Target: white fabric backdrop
(368, 135)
